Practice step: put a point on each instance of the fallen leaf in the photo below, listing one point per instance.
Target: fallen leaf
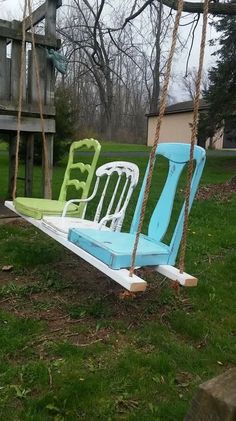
(126, 295)
(7, 268)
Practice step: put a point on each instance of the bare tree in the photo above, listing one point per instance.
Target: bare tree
(189, 82)
(117, 60)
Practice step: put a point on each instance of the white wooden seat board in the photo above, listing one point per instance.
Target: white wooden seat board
(62, 225)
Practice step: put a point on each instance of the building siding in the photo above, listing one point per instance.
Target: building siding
(177, 128)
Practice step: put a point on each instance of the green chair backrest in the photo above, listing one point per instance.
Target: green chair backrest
(74, 164)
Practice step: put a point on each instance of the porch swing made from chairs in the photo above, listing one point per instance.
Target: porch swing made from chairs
(114, 252)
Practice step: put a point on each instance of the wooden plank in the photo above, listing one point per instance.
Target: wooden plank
(50, 19)
(8, 79)
(47, 192)
(215, 399)
(15, 72)
(28, 124)
(41, 54)
(5, 23)
(50, 31)
(16, 35)
(50, 84)
(29, 165)
(4, 94)
(8, 107)
(173, 273)
(33, 97)
(121, 276)
(11, 164)
(39, 14)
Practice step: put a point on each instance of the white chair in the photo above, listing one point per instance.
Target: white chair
(110, 213)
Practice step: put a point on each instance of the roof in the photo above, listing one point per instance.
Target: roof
(181, 107)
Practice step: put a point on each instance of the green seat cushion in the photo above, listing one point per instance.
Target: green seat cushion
(37, 208)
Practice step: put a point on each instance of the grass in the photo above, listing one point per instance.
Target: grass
(3, 146)
(74, 347)
(124, 147)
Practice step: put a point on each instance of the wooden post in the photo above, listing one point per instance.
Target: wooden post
(32, 81)
(11, 164)
(50, 18)
(50, 32)
(49, 140)
(15, 73)
(29, 165)
(3, 69)
(215, 399)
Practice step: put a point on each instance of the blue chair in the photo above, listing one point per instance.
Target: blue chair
(115, 248)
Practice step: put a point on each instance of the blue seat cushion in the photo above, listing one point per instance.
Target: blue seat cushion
(115, 248)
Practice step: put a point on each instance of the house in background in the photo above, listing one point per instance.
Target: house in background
(176, 126)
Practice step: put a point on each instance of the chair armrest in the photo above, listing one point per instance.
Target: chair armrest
(88, 199)
(111, 217)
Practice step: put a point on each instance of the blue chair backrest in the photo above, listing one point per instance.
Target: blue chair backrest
(178, 155)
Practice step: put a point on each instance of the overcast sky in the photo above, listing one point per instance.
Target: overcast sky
(12, 9)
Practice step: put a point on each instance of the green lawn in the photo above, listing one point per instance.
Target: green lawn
(117, 147)
(3, 146)
(73, 347)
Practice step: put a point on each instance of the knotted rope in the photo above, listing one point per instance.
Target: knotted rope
(163, 99)
(28, 5)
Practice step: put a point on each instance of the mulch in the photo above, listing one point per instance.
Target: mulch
(220, 191)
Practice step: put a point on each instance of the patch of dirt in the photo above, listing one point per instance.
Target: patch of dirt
(21, 279)
(217, 191)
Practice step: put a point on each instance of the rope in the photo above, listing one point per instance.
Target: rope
(21, 84)
(163, 99)
(46, 160)
(193, 137)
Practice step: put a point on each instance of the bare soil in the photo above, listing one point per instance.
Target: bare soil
(86, 306)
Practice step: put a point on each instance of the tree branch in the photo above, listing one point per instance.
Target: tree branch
(214, 8)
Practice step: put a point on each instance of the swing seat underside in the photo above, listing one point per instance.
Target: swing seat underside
(115, 249)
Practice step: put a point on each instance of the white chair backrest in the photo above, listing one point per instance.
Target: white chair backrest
(127, 178)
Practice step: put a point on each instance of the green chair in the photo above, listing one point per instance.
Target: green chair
(37, 208)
